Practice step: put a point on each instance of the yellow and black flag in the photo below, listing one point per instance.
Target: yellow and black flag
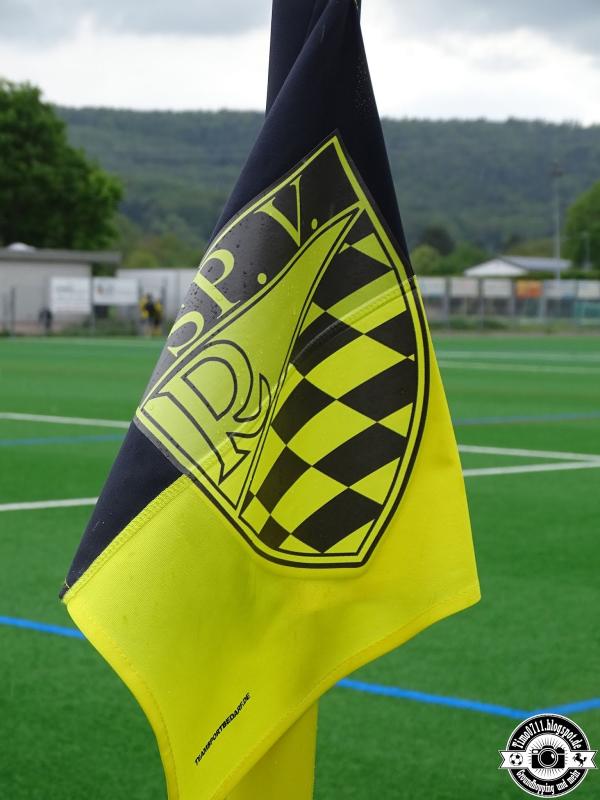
(288, 502)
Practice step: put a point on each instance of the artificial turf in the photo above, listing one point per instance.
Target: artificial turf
(69, 729)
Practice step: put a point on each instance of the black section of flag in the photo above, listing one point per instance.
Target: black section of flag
(139, 474)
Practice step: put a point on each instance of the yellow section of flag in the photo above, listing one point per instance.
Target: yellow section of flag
(225, 649)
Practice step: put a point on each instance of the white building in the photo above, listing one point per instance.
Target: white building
(25, 274)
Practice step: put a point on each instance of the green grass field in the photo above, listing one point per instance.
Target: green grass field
(69, 729)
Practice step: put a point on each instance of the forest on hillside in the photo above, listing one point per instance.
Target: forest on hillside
(487, 183)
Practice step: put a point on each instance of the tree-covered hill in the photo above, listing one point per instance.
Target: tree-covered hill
(489, 183)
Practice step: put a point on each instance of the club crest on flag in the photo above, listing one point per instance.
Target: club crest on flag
(293, 387)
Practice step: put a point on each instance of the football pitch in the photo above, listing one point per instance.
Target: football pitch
(426, 721)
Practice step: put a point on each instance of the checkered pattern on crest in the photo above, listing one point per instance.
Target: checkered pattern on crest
(342, 418)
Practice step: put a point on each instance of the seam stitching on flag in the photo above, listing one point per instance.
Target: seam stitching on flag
(163, 499)
(471, 593)
(148, 691)
(350, 319)
(372, 305)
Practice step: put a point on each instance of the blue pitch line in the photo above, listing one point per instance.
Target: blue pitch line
(361, 686)
(459, 702)
(433, 699)
(31, 625)
(571, 708)
(561, 417)
(99, 437)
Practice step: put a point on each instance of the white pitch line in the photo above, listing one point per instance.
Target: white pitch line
(515, 355)
(92, 342)
(40, 504)
(92, 423)
(467, 473)
(509, 451)
(584, 460)
(565, 465)
(481, 365)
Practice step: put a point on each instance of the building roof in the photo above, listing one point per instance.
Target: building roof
(495, 268)
(515, 266)
(538, 264)
(49, 256)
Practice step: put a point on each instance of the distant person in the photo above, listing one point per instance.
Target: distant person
(45, 318)
(146, 309)
(157, 318)
(151, 313)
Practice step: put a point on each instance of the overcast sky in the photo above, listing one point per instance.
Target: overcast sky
(429, 58)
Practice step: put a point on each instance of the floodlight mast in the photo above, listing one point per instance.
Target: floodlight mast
(557, 173)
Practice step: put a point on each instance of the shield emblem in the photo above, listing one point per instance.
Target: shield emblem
(294, 383)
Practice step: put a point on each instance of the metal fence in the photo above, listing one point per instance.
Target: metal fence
(511, 303)
(450, 302)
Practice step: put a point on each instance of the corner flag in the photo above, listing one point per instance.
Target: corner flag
(288, 503)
